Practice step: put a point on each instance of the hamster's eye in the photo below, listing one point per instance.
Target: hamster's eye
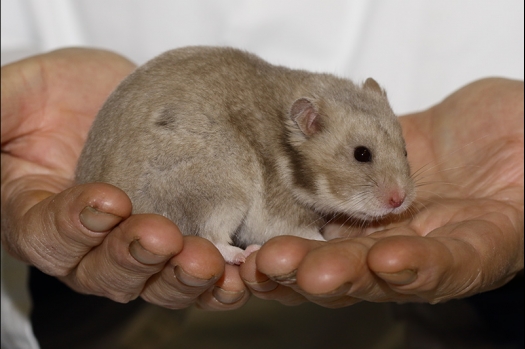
(406, 154)
(362, 154)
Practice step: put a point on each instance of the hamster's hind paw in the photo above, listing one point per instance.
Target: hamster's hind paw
(241, 257)
(235, 255)
(250, 249)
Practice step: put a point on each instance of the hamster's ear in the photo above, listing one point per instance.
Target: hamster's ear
(305, 116)
(372, 85)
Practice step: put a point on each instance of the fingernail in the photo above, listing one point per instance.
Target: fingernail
(262, 286)
(144, 256)
(286, 279)
(227, 297)
(98, 221)
(403, 277)
(190, 280)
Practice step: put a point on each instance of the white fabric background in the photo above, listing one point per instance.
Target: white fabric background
(420, 51)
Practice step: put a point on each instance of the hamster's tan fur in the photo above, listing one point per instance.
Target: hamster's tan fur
(237, 150)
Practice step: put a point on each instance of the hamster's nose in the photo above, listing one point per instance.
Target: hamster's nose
(396, 199)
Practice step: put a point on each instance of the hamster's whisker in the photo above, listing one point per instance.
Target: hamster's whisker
(422, 184)
(413, 210)
(372, 180)
(432, 192)
(436, 202)
(329, 220)
(317, 220)
(441, 160)
(420, 176)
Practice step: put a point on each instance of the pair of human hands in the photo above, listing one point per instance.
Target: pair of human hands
(464, 236)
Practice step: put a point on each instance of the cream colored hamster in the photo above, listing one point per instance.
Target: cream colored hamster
(237, 150)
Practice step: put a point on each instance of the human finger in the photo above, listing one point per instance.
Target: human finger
(129, 255)
(187, 275)
(453, 261)
(263, 287)
(53, 232)
(279, 259)
(228, 293)
(336, 274)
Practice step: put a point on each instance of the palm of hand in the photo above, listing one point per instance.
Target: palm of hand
(57, 100)
(475, 193)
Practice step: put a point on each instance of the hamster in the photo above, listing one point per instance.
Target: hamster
(237, 150)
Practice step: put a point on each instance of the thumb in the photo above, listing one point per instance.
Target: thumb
(59, 229)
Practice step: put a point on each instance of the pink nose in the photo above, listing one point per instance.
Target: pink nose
(396, 200)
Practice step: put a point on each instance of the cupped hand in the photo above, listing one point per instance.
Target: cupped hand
(85, 235)
(463, 236)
